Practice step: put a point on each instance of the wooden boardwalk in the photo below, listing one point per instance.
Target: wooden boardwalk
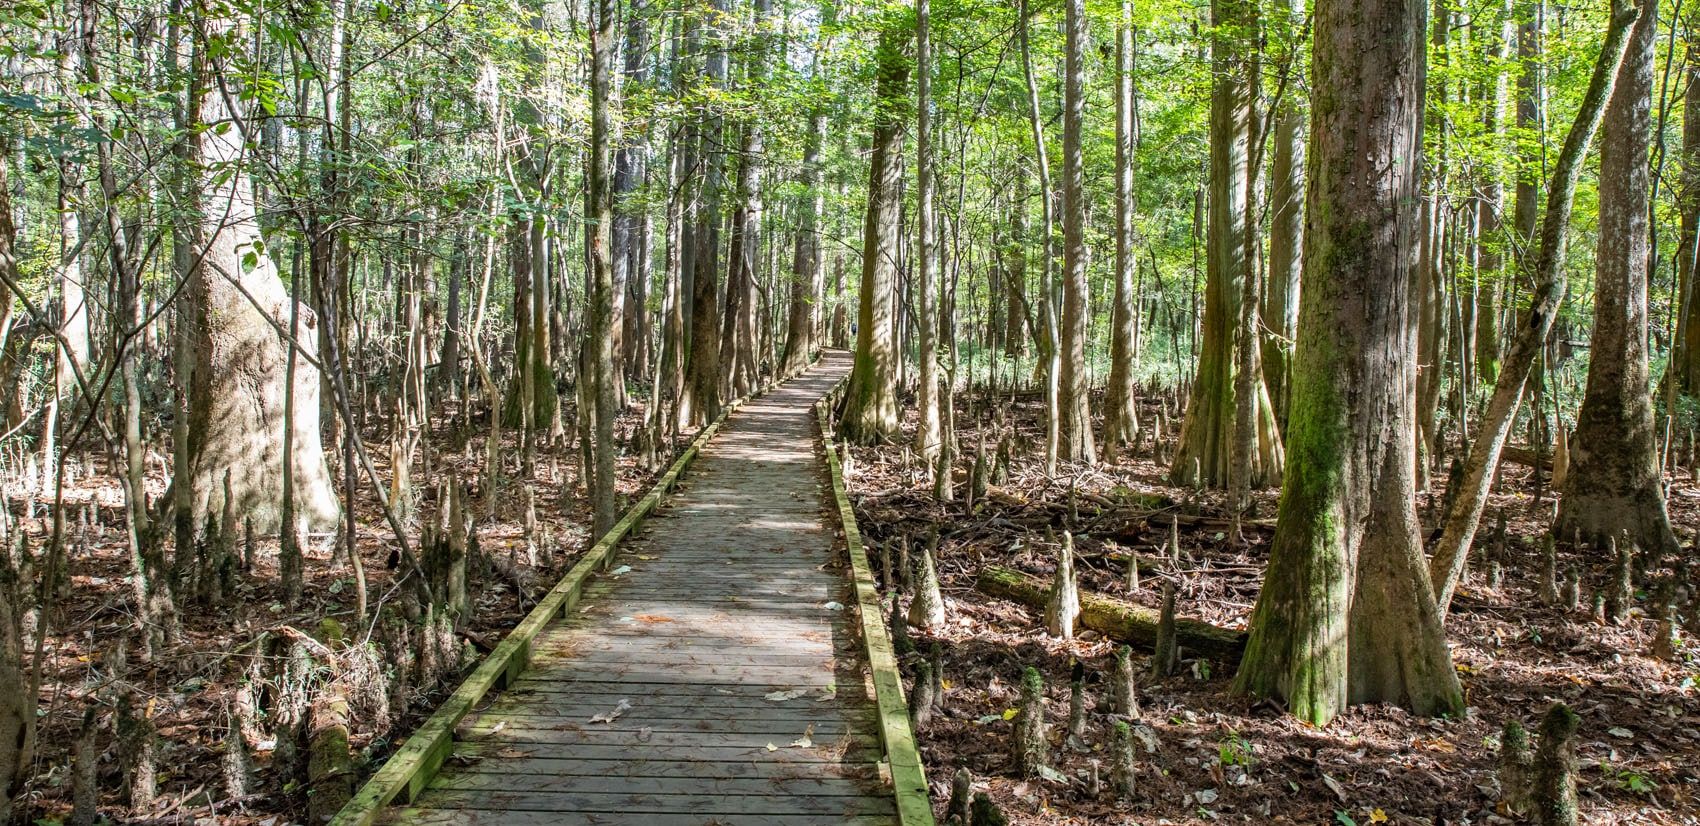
(721, 648)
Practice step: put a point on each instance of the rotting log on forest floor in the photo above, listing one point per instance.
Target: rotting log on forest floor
(1112, 617)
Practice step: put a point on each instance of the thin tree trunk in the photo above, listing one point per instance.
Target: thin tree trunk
(598, 335)
(1286, 238)
(1047, 333)
(1614, 485)
(1121, 414)
(926, 253)
(1534, 325)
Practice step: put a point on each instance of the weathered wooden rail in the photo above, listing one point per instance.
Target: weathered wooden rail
(715, 676)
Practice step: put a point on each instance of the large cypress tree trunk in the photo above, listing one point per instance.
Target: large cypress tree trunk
(1345, 614)
(703, 390)
(870, 401)
(1075, 438)
(1614, 482)
(739, 336)
(1207, 441)
(805, 256)
(238, 306)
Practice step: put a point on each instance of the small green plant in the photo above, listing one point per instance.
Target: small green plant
(1628, 780)
(1234, 750)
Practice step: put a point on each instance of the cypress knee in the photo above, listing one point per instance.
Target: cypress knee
(1063, 608)
(1516, 763)
(1124, 688)
(926, 610)
(1032, 750)
(1553, 789)
(1166, 656)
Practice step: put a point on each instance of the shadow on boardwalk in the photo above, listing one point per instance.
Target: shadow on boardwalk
(711, 679)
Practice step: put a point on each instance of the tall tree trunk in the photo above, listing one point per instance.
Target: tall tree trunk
(238, 306)
(926, 252)
(1490, 263)
(805, 258)
(1075, 438)
(598, 332)
(1121, 414)
(1687, 354)
(1013, 252)
(1346, 614)
(1614, 484)
(703, 391)
(1046, 334)
(631, 221)
(870, 401)
(740, 338)
(1286, 235)
(1207, 441)
(448, 361)
(17, 717)
(73, 308)
(1534, 326)
(156, 613)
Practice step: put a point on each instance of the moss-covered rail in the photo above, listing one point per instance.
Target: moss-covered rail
(714, 676)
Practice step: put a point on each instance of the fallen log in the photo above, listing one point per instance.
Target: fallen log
(1527, 457)
(1112, 617)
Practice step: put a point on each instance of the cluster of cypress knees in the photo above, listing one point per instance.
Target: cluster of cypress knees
(1537, 781)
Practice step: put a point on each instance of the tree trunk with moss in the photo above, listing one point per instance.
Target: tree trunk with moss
(870, 401)
(1345, 614)
(1207, 441)
(1613, 483)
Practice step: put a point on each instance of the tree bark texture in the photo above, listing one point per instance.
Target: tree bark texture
(1345, 614)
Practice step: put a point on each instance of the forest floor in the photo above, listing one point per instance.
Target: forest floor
(1213, 756)
(94, 655)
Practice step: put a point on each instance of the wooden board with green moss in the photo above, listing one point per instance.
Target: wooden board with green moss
(908, 775)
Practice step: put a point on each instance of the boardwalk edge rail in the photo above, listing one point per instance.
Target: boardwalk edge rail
(410, 769)
(902, 754)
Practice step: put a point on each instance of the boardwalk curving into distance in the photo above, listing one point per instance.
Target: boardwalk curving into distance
(712, 677)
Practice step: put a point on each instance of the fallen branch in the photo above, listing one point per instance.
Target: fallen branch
(1112, 617)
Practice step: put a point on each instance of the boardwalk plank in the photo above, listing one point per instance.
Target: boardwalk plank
(730, 594)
